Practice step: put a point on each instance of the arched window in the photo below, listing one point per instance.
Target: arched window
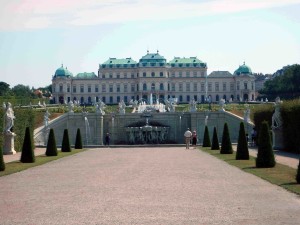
(224, 97)
(217, 98)
(161, 87)
(144, 87)
(82, 100)
(89, 99)
(152, 87)
(152, 74)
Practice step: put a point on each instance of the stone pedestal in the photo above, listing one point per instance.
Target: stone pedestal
(9, 144)
(277, 139)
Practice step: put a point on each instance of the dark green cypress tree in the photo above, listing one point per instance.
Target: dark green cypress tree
(242, 151)
(265, 155)
(78, 142)
(27, 155)
(215, 141)
(226, 147)
(206, 139)
(65, 146)
(51, 145)
(298, 173)
(2, 164)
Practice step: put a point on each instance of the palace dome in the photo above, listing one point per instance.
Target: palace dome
(62, 72)
(243, 69)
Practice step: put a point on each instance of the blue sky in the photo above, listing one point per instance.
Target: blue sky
(37, 36)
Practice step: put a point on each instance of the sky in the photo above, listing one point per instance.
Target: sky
(38, 36)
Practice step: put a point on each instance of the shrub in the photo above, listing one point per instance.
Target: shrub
(265, 155)
(242, 151)
(215, 140)
(65, 146)
(2, 164)
(206, 139)
(226, 147)
(78, 142)
(51, 145)
(298, 174)
(27, 155)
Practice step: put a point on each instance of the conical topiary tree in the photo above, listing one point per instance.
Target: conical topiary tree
(27, 155)
(226, 147)
(51, 145)
(206, 139)
(78, 142)
(242, 151)
(298, 173)
(265, 155)
(2, 164)
(215, 141)
(65, 146)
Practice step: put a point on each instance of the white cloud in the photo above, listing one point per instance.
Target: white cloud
(16, 15)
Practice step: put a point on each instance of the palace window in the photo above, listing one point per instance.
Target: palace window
(81, 88)
(152, 87)
(238, 85)
(110, 75)
(202, 74)
(203, 87)
(125, 75)
(96, 88)
(125, 88)
(144, 87)
(89, 88)
(118, 87)
(180, 74)
(132, 75)
(74, 89)
(187, 73)
(188, 87)
(161, 74)
(173, 74)
(118, 75)
(252, 86)
(195, 73)
(68, 88)
(172, 87)
(60, 88)
(144, 74)
(224, 86)
(209, 86)
(132, 87)
(246, 86)
(111, 88)
(103, 88)
(161, 87)
(216, 86)
(195, 86)
(152, 74)
(231, 86)
(180, 87)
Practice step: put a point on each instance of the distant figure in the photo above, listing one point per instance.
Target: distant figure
(253, 136)
(187, 136)
(107, 139)
(194, 138)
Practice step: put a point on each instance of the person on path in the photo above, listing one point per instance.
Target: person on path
(187, 136)
(194, 138)
(253, 136)
(107, 139)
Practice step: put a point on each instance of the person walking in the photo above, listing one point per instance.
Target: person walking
(107, 139)
(194, 138)
(187, 136)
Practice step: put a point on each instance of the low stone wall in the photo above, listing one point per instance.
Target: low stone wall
(96, 126)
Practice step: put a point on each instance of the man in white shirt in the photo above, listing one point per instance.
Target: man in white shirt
(187, 136)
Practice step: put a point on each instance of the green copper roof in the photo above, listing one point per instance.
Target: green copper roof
(62, 72)
(243, 69)
(152, 58)
(85, 75)
(186, 62)
(114, 61)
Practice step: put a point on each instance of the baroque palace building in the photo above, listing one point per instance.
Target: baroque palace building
(125, 79)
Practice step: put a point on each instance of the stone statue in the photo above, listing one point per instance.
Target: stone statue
(247, 114)
(193, 106)
(205, 120)
(9, 118)
(71, 106)
(100, 106)
(122, 107)
(276, 118)
(222, 104)
(46, 118)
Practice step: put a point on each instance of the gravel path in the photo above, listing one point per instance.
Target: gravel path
(142, 186)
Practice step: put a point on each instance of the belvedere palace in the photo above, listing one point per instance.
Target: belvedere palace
(125, 79)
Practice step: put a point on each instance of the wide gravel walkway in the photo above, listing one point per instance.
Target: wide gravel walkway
(143, 186)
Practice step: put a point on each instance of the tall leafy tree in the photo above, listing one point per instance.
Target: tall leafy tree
(22, 90)
(4, 88)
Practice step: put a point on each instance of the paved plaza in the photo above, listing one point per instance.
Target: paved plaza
(143, 186)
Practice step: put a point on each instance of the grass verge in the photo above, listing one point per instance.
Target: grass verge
(17, 166)
(280, 175)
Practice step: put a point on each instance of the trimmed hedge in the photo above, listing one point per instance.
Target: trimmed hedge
(215, 141)
(265, 155)
(242, 152)
(27, 155)
(78, 141)
(290, 112)
(65, 146)
(206, 139)
(226, 147)
(2, 164)
(51, 145)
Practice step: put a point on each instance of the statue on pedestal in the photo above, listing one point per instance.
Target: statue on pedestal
(8, 148)
(9, 118)
(122, 107)
(222, 104)
(193, 106)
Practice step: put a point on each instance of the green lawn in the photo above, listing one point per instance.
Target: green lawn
(280, 175)
(17, 166)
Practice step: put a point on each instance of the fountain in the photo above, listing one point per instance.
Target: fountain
(149, 133)
(87, 126)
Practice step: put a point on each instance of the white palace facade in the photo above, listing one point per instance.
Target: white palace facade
(125, 79)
